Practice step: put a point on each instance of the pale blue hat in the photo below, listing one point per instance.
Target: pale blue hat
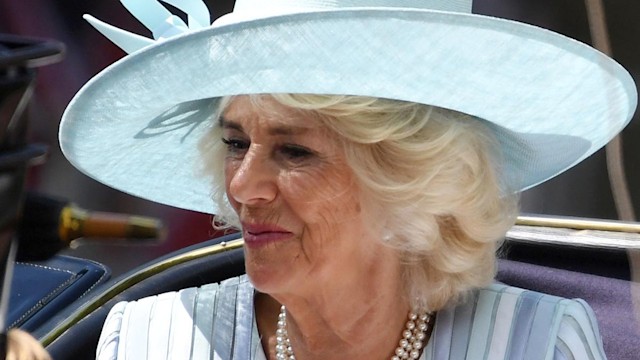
(552, 101)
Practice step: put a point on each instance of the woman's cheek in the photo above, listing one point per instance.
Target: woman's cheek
(326, 194)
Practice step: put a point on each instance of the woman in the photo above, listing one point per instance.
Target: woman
(370, 219)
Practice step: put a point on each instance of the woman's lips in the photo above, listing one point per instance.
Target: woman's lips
(259, 235)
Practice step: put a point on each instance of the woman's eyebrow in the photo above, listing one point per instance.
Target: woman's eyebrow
(288, 130)
(228, 124)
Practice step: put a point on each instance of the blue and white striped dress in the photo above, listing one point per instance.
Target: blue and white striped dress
(218, 322)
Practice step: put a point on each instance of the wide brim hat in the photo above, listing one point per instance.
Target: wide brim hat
(550, 100)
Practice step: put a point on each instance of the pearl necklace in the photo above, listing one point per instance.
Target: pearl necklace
(413, 338)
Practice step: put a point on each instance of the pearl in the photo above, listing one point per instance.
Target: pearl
(409, 347)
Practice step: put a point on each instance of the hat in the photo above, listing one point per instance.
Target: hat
(550, 100)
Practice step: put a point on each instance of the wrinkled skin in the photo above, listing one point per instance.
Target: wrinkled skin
(311, 243)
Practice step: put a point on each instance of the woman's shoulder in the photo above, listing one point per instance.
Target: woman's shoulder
(181, 322)
(216, 296)
(505, 322)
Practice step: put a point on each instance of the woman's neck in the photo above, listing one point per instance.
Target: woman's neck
(359, 315)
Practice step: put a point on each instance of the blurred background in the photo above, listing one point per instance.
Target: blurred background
(584, 191)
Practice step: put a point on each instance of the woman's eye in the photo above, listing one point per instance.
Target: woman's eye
(235, 145)
(295, 152)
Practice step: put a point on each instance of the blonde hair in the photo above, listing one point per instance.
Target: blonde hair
(434, 171)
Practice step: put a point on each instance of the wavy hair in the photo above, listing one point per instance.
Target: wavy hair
(436, 174)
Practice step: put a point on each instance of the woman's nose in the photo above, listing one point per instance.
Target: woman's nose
(253, 181)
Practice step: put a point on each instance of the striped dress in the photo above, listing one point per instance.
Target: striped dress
(217, 322)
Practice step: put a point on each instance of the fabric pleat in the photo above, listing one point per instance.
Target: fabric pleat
(441, 346)
(522, 324)
(157, 326)
(181, 333)
(461, 333)
(110, 337)
(225, 318)
(503, 325)
(244, 323)
(140, 313)
(483, 322)
(203, 320)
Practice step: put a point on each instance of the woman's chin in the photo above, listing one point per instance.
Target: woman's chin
(270, 278)
(273, 268)
(267, 283)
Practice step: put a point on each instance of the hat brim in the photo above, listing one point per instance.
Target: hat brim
(552, 101)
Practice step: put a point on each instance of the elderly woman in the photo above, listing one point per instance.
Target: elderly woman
(358, 194)
(371, 191)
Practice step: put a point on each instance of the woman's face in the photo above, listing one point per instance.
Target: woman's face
(287, 178)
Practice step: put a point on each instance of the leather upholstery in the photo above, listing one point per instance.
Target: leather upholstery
(39, 290)
(79, 342)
